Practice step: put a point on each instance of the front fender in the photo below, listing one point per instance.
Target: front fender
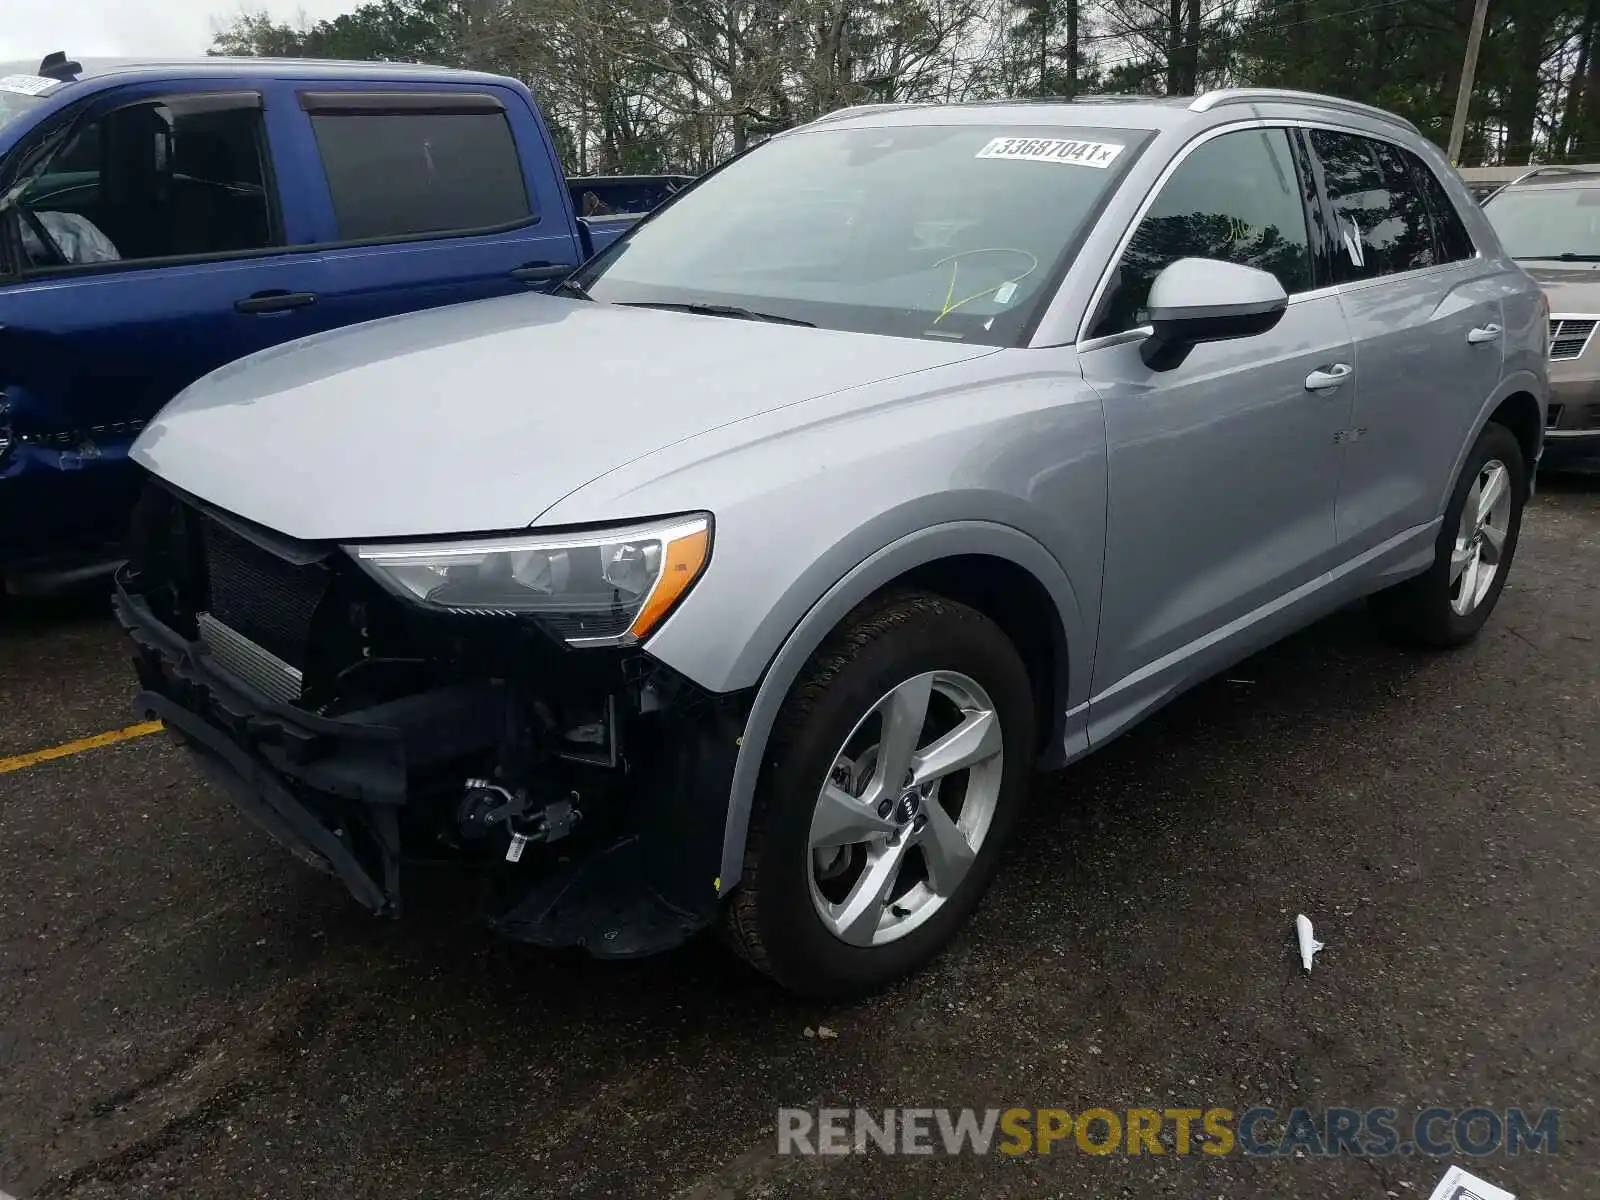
(892, 561)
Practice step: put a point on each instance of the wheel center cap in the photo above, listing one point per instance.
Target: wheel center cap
(909, 805)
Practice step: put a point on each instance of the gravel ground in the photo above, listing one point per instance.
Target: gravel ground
(187, 1011)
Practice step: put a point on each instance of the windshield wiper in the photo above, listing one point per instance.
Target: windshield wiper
(572, 288)
(718, 310)
(1564, 256)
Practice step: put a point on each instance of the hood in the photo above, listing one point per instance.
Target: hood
(1571, 287)
(480, 416)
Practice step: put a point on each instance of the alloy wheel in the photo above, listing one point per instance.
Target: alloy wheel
(906, 807)
(1480, 537)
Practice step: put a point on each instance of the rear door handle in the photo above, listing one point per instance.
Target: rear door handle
(543, 272)
(1484, 333)
(280, 301)
(1328, 379)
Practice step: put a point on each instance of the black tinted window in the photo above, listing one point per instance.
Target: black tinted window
(393, 174)
(1383, 221)
(181, 176)
(1235, 198)
(1450, 236)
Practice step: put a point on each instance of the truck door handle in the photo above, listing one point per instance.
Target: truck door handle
(1484, 333)
(543, 272)
(275, 301)
(1327, 379)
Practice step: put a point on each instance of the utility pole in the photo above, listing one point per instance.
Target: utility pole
(1469, 66)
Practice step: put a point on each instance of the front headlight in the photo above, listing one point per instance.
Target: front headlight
(605, 587)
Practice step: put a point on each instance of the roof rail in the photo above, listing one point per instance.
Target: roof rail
(1089, 98)
(856, 110)
(1553, 169)
(1222, 96)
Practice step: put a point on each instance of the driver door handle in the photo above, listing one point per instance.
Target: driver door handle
(1328, 378)
(542, 272)
(274, 301)
(1484, 333)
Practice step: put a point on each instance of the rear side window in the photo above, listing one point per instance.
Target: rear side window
(1383, 219)
(400, 174)
(1236, 198)
(1449, 234)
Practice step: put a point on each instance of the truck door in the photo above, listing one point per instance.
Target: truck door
(432, 194)
(151, 248)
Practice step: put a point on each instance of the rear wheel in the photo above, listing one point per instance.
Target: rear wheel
(1447, 604)
(897, 768)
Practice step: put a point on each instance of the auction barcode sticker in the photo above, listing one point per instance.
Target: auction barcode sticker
(1057, 150)
(27, 85)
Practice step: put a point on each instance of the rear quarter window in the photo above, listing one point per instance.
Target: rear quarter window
(404, 174)
(1455, 243)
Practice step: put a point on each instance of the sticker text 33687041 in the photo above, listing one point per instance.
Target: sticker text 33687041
(1056, 150)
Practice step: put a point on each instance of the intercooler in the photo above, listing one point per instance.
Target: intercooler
(258, 623)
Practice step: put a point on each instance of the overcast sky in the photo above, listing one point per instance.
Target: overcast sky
(30, 29)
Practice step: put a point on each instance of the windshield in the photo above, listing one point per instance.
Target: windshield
(13, 106)
(953, 232)
(20, 94)
(1547, 221)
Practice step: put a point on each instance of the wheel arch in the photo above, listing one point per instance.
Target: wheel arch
(997, 569)
(1521, 413)
(1515, 404)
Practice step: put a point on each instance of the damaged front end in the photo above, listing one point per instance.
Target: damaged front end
(586, 781)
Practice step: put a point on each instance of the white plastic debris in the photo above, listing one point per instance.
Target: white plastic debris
(1458, 1185)
(1308, 944)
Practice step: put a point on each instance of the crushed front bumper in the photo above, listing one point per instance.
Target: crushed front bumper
(269, 759)
(335, 791)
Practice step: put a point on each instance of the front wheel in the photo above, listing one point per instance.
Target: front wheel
(898, 765)
(1447, 604)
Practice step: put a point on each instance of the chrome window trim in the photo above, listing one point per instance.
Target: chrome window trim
(1084, 343)
(1314, 294)
(1361, 285)
(1137, 334)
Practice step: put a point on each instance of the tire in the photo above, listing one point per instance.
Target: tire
(1423, 611)
(874, 660)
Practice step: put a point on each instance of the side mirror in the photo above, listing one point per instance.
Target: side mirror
(1198, 300)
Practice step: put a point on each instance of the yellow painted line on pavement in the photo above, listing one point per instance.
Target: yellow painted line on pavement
(34, 757)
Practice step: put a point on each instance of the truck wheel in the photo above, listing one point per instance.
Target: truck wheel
(896, 770)
(1447, 604)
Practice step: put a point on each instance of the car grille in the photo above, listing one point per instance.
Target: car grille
(1569, 336)
(258, 623)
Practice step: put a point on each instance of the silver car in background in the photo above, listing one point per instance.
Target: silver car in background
(747, 581)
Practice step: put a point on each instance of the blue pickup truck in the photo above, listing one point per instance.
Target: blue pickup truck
(158, 220)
